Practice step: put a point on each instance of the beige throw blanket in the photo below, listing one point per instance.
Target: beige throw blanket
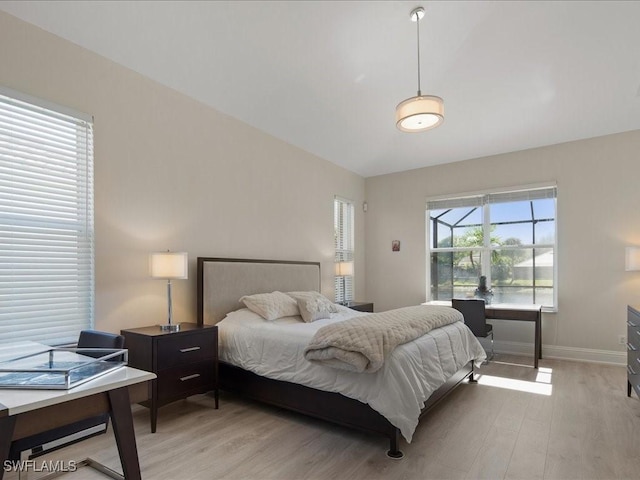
(362, 344)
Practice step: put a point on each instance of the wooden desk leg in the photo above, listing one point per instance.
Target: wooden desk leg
(7, 425)
(540, 335)
(123, 431)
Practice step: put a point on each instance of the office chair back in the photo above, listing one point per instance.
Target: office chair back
(474, 315)
(96, 339)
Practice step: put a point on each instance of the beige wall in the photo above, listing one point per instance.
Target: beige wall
(598, 215)
(171, 173)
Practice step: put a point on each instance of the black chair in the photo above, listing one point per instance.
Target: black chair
(69, 434)
(475, 318)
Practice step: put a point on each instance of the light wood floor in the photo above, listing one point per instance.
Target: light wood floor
(579, 425)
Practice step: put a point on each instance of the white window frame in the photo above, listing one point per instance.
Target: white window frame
(344, 242)
(484, 200)
(47, 272)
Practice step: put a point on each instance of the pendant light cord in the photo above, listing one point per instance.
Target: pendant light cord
(418, 27)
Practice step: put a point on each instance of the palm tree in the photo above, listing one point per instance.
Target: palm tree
(474, 237)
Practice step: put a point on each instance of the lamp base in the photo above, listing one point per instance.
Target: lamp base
(171, 327)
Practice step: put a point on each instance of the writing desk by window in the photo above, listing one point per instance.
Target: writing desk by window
(514, 312)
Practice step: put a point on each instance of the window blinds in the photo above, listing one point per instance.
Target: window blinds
(475, 201)
(343, 220)
(498, 197)
(46, 222)
(522, 195)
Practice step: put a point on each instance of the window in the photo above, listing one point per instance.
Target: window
(343, 221)
(46, 221)
(507, 237)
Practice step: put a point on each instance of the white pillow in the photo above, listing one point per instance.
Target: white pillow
(271, 306)
(313, 305)
(244, 315)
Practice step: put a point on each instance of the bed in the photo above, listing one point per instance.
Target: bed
(313, 390)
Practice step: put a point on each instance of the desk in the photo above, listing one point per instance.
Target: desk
(28, 412)
(519, 313)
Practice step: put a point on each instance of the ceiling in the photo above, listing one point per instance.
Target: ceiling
(326, 76)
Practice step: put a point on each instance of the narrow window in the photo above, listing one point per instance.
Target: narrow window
(46, 221)
(343, 222)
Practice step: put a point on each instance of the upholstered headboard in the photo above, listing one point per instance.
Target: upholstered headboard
(222, 281)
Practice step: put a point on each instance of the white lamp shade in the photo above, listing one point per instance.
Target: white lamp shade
(632, 259)
(420, 113)
(344, 269)
(169, 265)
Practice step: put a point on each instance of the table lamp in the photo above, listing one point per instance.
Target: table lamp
(344, 269)
(632, 259)
(170, 266)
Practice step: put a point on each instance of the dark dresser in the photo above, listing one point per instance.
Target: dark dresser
(633, 347)
(185, 362)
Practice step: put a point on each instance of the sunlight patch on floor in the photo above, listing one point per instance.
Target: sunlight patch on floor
(542, 385)
(544, 375)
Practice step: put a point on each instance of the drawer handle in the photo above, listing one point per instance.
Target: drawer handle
(631, 347)
(190, 349)
(631, 370)
(189, 377)
(631, 324)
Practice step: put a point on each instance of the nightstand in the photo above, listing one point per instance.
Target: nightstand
(185, 362)
(360, 306)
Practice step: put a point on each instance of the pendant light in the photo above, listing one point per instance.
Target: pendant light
(422, 112)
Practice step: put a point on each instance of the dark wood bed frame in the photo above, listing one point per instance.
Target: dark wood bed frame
(329, 406)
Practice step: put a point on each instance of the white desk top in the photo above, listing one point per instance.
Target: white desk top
(15, 400)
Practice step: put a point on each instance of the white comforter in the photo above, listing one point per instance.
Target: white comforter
(398, 391)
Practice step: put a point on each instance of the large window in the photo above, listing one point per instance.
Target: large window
(507, 237)
(343, 220)
(46, 221)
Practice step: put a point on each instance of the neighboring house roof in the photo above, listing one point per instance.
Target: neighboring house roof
(542, 260)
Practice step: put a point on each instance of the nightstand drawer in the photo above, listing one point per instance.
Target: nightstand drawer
(176, 350)
(178, 382)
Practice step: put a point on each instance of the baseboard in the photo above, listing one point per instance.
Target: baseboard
(563, 353)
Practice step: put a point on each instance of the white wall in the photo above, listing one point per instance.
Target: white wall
(598, 215)
(171, 173)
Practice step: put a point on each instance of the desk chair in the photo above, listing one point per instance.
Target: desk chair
(69, 434)
(475, 318)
